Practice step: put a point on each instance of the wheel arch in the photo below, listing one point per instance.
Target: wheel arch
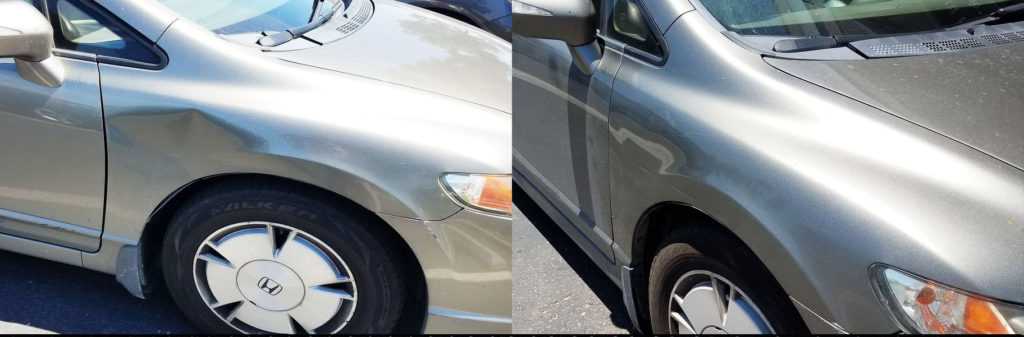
(149, 244)
(645, 243)
(663, 218)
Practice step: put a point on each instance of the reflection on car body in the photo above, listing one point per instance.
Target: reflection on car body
(494, 16)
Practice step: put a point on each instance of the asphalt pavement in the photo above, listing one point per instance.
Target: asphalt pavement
(39, 296)
(556, 289)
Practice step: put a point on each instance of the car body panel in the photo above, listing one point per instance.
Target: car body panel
(468, 253)
(295, 138)
(382, 153)
(424, 51)
(820, 186)
(954, 94)
(53, 146)
(806, 158)
(569, 110)
(41, 250)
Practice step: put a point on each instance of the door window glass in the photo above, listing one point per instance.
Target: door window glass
(248, 16)
(82, 28)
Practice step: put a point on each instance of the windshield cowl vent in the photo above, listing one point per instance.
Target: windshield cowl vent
(941, 42)
(1004, 38)
(356, 16)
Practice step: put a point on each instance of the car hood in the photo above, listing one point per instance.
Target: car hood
(975, 97)
(416, 48)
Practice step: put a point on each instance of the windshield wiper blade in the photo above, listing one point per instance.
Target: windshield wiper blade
(822, 42)
(996, 16)
(316, 10)
(277, 39)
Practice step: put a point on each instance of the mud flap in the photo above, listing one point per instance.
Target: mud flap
(629, 298)
(129, 271)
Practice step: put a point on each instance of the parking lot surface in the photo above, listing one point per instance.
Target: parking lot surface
(555, 287)
(39, 296)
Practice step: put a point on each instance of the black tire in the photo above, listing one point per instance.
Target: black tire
(355, 236)
(706, 248)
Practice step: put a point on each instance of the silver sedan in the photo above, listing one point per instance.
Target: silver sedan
(821, 166)
(286, 166)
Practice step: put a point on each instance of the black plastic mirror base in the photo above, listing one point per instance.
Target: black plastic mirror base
(47, 73)
(586, 56)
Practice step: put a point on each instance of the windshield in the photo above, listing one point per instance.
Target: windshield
(806, 18)
(247, 16)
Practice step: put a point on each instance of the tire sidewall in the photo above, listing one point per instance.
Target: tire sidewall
(676, 259)
(341, 232)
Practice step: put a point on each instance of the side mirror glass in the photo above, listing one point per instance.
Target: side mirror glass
(27, 36)
(572, 21)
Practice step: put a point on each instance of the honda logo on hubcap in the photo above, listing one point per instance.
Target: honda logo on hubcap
(269, 286)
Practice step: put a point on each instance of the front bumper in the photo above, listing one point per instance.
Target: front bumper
(467, 263)
(815, 323)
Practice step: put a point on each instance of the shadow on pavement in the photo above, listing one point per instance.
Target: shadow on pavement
(66, 299)
(609, 294)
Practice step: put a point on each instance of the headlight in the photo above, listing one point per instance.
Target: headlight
(482, 192)
(924, 306)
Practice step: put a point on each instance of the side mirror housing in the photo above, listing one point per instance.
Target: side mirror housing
(572, 21)
(27, 36)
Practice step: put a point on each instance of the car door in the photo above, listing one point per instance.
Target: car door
(52, 168)
(559, 102)
(52, 140)
(643, 51)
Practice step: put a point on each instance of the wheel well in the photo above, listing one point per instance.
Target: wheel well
(657, 223)
(414, 316)
(454, 15)
(664, 222)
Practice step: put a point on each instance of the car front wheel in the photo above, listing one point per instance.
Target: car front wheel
(704, 281)
(275, 259)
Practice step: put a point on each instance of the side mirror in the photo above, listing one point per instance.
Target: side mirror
(27, 36)
(572, 21)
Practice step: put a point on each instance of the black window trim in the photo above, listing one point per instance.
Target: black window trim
(628, 48)
(106, 59)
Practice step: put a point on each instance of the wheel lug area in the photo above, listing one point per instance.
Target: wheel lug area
(270, 285)
(268, 277)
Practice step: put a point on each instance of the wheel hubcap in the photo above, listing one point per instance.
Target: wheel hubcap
(268, 277)
(703, 302)
(270, 285)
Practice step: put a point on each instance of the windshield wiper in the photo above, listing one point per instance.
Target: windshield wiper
(822, 42)
(277, 39)
(316, 9)
(835, 41)
(997, 16)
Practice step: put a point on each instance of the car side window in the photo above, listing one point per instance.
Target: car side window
(627, 24)
(83, 27)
